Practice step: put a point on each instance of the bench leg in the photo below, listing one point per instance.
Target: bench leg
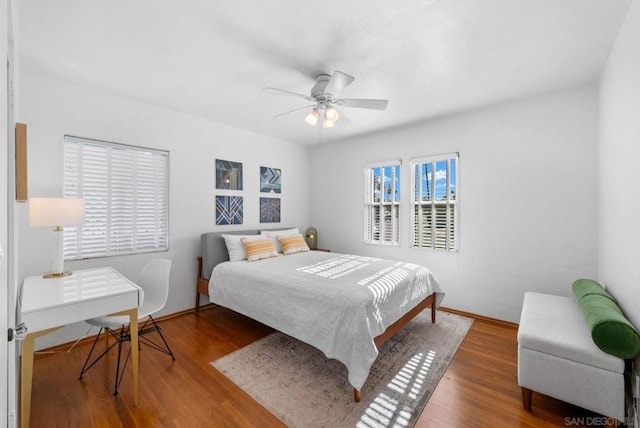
(612, 422)
(526, 398)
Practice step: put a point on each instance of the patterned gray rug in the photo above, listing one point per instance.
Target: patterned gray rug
(303, 388)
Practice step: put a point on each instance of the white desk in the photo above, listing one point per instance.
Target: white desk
(49, 304)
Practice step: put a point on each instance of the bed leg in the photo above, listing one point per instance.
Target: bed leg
(433, 312)
(357, 395)
(199, 259)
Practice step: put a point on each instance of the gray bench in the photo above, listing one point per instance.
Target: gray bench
(557, 357)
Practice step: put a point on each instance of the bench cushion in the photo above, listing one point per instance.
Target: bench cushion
(554, 325)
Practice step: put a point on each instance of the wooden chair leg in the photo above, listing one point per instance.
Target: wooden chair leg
(526, 398)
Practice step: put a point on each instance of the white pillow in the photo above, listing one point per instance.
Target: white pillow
(235, 247)
(274, 233)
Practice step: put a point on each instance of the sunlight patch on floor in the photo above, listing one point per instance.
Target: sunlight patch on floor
(383, 412)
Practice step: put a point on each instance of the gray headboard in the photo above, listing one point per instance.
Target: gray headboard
(214, 250)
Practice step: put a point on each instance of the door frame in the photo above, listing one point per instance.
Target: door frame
(8, 263)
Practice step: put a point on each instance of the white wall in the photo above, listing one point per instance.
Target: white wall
(619, 166)
(52, 109)
(527, 198)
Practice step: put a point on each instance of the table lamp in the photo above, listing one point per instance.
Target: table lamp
(56, 213)
(311, 236)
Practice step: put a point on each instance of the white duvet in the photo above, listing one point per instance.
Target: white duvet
(337, 303)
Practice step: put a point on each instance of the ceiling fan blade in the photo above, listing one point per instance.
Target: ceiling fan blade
(295, 109)
(342, 119)
(306, 97)
(338, 82)
(363, 103)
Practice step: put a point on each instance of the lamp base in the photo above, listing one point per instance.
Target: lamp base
(56, 274)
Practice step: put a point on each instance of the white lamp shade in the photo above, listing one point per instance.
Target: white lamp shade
(331, 114)
(312, 117)
(56, 212)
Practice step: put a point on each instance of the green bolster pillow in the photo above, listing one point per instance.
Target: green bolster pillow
(588, 287)
(610, 330)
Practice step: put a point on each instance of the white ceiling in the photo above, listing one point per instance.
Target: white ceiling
(212, 58)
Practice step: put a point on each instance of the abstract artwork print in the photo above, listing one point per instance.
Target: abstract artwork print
(229, 210)
(269, 210)
(270, 180)
(228, 175)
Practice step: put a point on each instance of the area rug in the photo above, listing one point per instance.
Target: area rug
(303, 388)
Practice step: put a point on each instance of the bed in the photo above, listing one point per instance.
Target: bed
(344, 305)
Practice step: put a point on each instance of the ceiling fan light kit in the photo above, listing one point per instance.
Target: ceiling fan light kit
(312, 117)
(327, 124)
(331, 114)
(325, 94)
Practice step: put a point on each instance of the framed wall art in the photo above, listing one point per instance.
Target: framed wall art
(229, 210)
(228, 175)
(269, 210)
(270, 180)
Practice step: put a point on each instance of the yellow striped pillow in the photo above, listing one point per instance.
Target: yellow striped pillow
(258, 249)
(292, 244)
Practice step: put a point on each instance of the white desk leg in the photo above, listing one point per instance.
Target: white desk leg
(26, 374)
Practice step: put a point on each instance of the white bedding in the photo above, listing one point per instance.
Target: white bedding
(337, 303)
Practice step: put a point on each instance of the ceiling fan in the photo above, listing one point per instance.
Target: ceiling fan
(324, 94)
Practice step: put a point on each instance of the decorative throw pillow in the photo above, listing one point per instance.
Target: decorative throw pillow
(258, 249)
(292, 244)
(273, 234)
(610, 330)
(235, 247)
(589, 287)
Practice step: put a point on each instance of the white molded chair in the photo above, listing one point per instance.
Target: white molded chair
(154, 280)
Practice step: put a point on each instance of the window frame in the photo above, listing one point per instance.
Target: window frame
(394, 205)
(151, 170)
(451, 243)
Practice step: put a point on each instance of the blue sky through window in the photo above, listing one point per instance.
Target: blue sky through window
(428, 181)
(452, 178)
(441, 180)
(384, 185)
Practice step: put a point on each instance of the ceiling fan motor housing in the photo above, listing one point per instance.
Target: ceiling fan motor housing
(322, 80)
(324, 93)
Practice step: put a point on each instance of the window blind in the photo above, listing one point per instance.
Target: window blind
(435, 202)
(382, 203)
(126, 193)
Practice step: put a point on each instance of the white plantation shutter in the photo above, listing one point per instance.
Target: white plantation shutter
(382, 203)
(126, 194)
(435, 199)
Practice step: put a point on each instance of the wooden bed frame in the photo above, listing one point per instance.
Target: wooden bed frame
(202, 287)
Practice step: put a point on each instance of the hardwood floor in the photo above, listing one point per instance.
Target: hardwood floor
(478, 389)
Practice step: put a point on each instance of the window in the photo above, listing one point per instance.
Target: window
(382, 203)
(126, 193)
(435, 202)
